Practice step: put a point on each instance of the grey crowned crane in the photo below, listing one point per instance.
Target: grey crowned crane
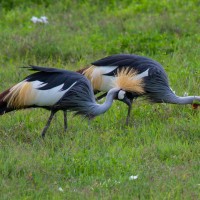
(56, 89)
(154, 79)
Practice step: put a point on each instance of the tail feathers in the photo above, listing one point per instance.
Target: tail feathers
(14, 98)
(3, 104)
(4, 109)
(44, 69)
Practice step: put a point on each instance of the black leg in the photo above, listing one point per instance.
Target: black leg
(101, 96)
(48, 123)
(65, 120)
(129, 111)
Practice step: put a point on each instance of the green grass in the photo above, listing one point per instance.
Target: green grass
(94, 161)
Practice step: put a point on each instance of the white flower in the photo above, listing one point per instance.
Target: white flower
(133, 177)
(60, 189)
(39, 20)
(44, 19)
(34, 19)
(185, 94)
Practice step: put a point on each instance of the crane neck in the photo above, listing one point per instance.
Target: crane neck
(184, 100)
(102, 108)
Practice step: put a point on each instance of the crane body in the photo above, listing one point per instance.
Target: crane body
(55, 89)
(155, 81)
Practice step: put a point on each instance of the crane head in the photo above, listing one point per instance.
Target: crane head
(196, 103)
(123, 97)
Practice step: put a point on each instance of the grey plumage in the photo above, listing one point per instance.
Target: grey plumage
(83, 101)
(155, 81)
(54, 90)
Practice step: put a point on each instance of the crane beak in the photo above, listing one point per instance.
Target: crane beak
(195, 106)
(127, 101)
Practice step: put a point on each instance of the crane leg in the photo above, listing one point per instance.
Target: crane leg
(65, 120)
(48, 123)
(129, 112)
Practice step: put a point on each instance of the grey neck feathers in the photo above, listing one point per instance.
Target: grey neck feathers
(183, 100)
(102, 108)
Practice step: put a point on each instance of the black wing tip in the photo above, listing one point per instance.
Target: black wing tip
(25, 67)
(30, 67)
(41, 68)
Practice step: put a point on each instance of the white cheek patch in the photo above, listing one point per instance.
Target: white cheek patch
(121, 94)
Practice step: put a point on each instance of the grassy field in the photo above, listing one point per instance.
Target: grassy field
(161, 146)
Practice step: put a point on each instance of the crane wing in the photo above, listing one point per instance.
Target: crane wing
(138, 63)
(43, 88)
(150, 71)
(53, 77)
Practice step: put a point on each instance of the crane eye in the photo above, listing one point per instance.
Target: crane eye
(121, 94)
